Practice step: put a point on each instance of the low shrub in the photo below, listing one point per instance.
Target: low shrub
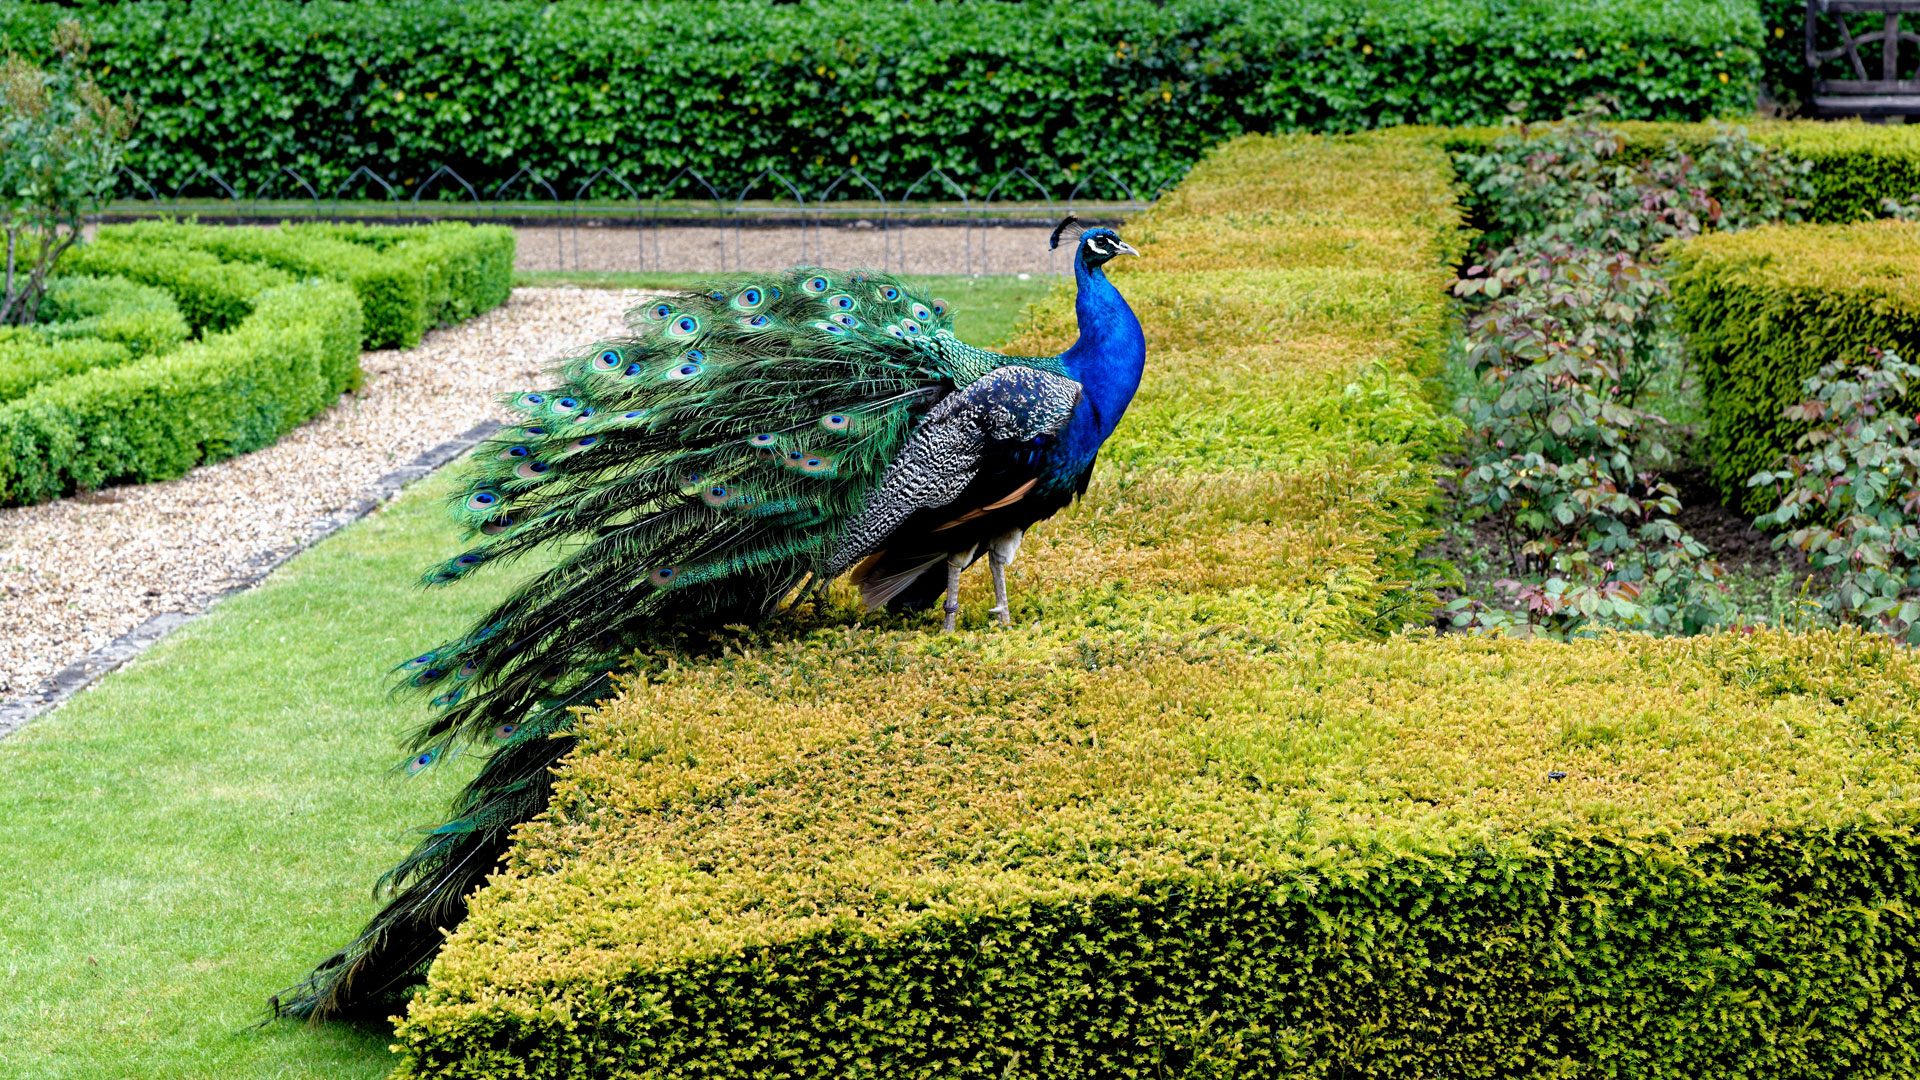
(890, 87)
(1851, 492)
(213, 294)
(205, 401)
(142, 317)
(1852, 165)
(414, 278)
(1765, 309)
(28, 359)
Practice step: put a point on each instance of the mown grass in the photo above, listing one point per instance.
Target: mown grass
(191, 834)
(986, 307)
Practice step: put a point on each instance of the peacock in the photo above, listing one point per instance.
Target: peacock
(745, 445)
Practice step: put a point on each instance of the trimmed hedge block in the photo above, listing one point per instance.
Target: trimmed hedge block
(142, 317)
(408, 278)
(206, 401)
(213, 294)
(1765, 308)
(27, 359)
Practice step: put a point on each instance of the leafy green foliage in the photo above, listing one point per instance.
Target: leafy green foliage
(61, 140)
(28, 360)
(890, 87)
(1851, 494)
(1574, 337)
(142, 317)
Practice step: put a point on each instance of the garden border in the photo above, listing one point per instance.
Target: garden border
(75, 677)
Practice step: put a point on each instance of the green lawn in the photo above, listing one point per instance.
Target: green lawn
(985, 308)
(200, 827)
(194, 832)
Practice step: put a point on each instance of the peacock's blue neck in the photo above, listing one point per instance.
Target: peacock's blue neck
(1106, 361)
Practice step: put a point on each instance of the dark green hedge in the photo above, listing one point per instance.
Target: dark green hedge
(28, 359)
(206, 401)
(214, 295)
(1765, 308)
(408, 278)
(892, 87)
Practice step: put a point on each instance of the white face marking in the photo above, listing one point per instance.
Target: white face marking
(1098, 245)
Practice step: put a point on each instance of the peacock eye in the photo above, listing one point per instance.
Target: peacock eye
(661, 576)
(532, 401)
(583, 442)
(939, 307)
(685, 326)
(715, 496)
(909, 326)
(842, 302)
(920, 312)
(847, 321)
(481, 500)
(836, 422)
(684, 371)
(529, 470)
(815, 285)
(759, 440)
(565, 404)
(890, 293)
(420, 762)
(662, 312)
(757, 322)
(896, 332)
(607, 360)
(838, 331)
(511, 453)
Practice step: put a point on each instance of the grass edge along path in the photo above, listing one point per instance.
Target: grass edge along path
(1193, 816)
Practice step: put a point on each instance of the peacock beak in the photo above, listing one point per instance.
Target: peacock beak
(1125, 249)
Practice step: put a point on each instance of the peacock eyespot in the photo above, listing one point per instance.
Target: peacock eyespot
(715, 496)
(716, 296)
(467, 560)
(512, 452)
(505, 731)
(480, 500)
(897, 332)
(756, 322)
(684, 326)
(565, 404)
(920, 312)
(532, 401)
(940, 307)
(684, 371)
(837, 331)
(836, 422)
(585, 413)
(662, 312)
(536, 431)
(910, 326)
(888, 292)
(841, 302)
(749, 297)
(814, 464)
(531, 469)
(847, 321)
(419, 762)
(774, 293)
(496, 526)
(661, 576)
(815, 285)
(467, 670)
(634, 415)
(760, 440)
(583, 442)
(607, 360)
(632, 370)
(420, 661)
(451, 697)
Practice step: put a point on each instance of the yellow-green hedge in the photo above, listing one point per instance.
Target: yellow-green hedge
(1194, 815)
(1765, 308)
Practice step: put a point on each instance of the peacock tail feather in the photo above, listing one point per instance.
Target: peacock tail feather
(698, 470)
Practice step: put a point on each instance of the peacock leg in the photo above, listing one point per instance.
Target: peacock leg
(956, 562)
(1000, 552)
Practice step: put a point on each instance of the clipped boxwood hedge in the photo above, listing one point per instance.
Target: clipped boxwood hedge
(408, 278)
(214, 295)
(892, 87)
(1193, 816)
(28, 359)
(205, 401)
(143, 318)
(1765, 308)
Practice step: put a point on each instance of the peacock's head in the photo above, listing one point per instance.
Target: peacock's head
(1097, 246)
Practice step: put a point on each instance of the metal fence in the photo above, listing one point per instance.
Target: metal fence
(935, 225)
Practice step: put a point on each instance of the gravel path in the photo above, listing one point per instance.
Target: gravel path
(77, 573)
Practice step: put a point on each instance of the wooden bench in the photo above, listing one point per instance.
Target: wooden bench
(1881, 98)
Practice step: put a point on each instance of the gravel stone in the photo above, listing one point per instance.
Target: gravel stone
(78, 573)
